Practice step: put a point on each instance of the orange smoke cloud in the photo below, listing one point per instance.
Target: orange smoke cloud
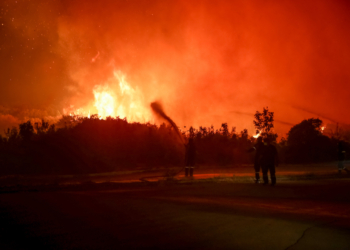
(203, 60)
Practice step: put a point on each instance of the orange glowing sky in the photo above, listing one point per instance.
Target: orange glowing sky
(208, 62)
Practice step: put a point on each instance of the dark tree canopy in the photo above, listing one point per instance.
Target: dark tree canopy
(90, 145)
(26, 130)
(263, 123)
(306, 143)
(305, 132)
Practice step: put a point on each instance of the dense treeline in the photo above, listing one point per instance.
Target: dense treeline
(86, 145)
(89, 145)
(306, 143)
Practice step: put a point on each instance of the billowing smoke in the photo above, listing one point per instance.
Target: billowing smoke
(203, 60)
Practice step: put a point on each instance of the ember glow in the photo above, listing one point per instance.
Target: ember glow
(207, 63)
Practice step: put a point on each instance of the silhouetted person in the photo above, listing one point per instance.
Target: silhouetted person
(258, 148)
(341, 157)
(269, 159)
(190, 157)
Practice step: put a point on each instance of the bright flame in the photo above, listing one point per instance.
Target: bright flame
(74, 112)
(104, 102)
(256, 136)
(131, 106)
(117, 98)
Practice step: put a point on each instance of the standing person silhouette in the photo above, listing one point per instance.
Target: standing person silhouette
(269, 159)
(258, 148)
(190, 157)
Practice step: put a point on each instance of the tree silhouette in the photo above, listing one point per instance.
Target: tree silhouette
(42, 127)
(26, 130)
(263, 123)
(306, 143)
(11, 135)
(224, 130)
(304, 132)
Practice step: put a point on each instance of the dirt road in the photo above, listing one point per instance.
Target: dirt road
(189, 215)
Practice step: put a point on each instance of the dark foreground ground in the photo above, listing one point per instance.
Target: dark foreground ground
(216, 213)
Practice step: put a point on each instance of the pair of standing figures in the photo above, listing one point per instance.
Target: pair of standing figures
(266, 159)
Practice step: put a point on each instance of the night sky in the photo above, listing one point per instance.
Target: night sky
(207, 62)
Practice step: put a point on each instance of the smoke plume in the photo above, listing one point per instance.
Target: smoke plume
(202, 59)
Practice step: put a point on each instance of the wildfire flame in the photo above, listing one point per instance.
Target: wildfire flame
(117, 98)
(104, 101)
(131, 103)
(257, 135)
